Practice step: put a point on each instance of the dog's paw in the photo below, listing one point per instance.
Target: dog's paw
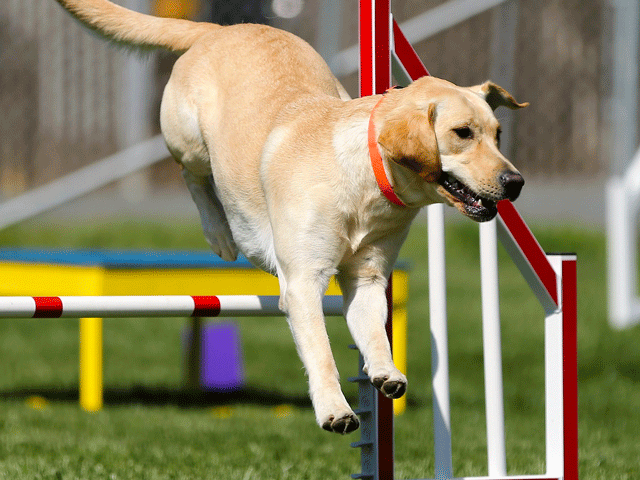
(333, 413)
(391, 385)
(346, 423)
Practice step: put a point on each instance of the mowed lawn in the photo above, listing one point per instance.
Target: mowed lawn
(151, 429)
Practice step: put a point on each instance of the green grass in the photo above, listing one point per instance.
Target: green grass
(159, 434)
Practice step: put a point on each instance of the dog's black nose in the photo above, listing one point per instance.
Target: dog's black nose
(512, 183)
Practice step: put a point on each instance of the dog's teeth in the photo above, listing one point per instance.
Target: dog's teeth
(480, 203)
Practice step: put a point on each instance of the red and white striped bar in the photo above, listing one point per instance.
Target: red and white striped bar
(561, 372)
(407, 57)
(150, 306)
(527, 254)
(375, 78)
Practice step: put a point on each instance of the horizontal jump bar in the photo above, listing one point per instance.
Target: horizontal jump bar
(151, 306)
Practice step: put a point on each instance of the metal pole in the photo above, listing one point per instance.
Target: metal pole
(554, 380)
(439, 344)
(375, 51)
(90, 364)
(624, 101)
(135, 113)
(622, 256)
(569, 283)
(496, 450)
(194, 354)
(621, 190)
(135, 109)
(503, 47)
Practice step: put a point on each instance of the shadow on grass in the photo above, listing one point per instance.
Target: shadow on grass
(182, 398)
(162, 396)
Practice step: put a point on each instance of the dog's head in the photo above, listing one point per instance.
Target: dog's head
(450, 138)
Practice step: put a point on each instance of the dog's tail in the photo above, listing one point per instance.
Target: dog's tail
(133, 29)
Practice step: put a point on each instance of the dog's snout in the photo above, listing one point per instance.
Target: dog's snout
(512, 184)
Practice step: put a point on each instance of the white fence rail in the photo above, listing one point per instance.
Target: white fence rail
(82, 181)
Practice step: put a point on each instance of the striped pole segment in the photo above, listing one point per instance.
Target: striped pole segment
(150, 306)
(407, 55)
(570, 365)
(375, 78)
(527, 254)
(375, 51)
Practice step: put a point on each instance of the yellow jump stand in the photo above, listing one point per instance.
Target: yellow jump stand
(144, 272)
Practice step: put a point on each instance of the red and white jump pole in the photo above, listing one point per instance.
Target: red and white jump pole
(375, 410)
(151, 306)
(553, 279)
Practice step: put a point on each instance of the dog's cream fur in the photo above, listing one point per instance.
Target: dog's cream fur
(275, 157)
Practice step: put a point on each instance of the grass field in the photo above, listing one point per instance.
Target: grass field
(150, 429)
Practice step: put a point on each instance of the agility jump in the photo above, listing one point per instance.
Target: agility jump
(552, 278)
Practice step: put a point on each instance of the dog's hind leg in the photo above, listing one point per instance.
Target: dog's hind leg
(214, 221)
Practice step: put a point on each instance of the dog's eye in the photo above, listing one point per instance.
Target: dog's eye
(498, 137)
(463, 132)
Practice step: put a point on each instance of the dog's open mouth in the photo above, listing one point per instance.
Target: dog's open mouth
(466, 200)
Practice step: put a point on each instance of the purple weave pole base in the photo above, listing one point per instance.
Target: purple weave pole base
(217, 366)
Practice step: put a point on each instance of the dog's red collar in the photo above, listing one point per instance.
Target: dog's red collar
(376, 162)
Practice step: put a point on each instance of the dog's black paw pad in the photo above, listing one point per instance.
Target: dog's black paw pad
(378, 382)
(394, 389)
(345, 424)
(390, 388)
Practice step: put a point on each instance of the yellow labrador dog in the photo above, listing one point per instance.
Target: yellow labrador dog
(278, 160)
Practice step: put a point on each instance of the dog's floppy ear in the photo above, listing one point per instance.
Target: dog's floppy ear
(496, 96)
(408, 138)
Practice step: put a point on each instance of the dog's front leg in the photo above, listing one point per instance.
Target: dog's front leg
(303, 305)
(365, 306)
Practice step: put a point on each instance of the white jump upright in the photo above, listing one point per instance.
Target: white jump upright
(383, 49)
(439, 342)
(623, 204)
(492, 346)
